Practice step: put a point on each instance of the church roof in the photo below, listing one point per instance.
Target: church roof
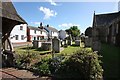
(105, 19)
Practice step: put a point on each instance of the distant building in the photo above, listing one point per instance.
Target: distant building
(35, 33)
(52, 32)
(19, 34)
(62, 34)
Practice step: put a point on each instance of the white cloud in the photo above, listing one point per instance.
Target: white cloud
(36, 23)
(68, 25)
(48, 13)
(52, 2)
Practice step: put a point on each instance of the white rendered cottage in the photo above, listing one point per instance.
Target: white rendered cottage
(35, 33)
(52, 32)
(19, 34)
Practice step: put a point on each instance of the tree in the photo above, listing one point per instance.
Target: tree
(74, 31)
(88, 32)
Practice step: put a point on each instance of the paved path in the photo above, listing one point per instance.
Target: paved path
(16, 74)
(21, 44)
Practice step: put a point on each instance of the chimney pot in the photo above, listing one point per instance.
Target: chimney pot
(48, 25)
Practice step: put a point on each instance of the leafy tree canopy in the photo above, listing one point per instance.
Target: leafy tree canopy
(74, 31)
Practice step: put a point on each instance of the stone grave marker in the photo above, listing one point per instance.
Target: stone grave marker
(56, 45)
(70, 40)
(88, 42)
(77, 42)
(96, 46)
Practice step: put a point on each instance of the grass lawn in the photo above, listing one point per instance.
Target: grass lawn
(25, 49)
(39, 53)
(110, 60)
(70, 49)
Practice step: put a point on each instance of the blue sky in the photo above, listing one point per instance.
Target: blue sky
(62, 15)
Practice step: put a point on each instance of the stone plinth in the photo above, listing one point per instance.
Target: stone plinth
(36, 44)
(77, 42)
(46, 46)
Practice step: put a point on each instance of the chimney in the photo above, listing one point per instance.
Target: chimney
(41, 24)
(41, 27)
(47, 25)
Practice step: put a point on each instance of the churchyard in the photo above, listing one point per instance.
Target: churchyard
(63, 57)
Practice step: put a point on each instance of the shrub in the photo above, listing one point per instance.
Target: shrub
(42, 67)
(83, 64)
(24, 60)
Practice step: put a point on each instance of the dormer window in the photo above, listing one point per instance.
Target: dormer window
(21, 27)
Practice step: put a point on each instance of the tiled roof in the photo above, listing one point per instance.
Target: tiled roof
(36, 28)
(52, 29)
(105, 19)
(8, 11)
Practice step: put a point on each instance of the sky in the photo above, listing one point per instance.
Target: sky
(63, 15)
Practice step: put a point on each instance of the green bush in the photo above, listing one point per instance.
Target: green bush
(83, 64)
(24, 60)
(42, 67)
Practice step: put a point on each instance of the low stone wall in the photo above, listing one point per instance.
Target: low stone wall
(36, 44)
(46, 46)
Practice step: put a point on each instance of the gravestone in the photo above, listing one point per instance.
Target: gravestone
(96, 46)
(36, 44)
(77, 42)
(65, 43)
(88, 42)
(69, 40)
(62, 43)
(47, 46)
(56, 45)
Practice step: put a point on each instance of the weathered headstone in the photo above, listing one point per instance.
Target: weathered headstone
(56, 45)
(96, 46)
(65, 43)
(77, 42)
(70, 40)
(46, 46)
(62, 43)
(36, 44)
(88, 42)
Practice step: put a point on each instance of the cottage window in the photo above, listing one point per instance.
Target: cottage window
(40, 32)
(16, 37)
(22, 37)
(37, 38)
(34, 38)
(35, 31)
(21, 27)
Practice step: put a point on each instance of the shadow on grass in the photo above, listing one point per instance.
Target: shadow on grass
(32, 48)
(74, 45)
(111, 64)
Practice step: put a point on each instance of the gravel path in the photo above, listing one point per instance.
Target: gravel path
(16, 74)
